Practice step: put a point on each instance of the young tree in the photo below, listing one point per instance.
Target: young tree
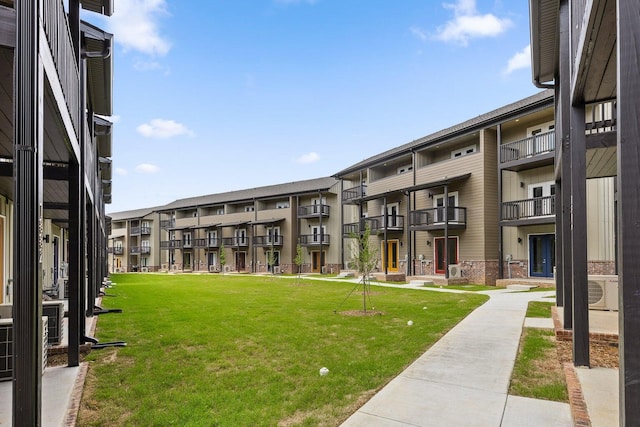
(364, 259)
(271, 259)
(299, 259)
(223, 258)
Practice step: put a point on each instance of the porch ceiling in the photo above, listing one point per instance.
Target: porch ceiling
(543, 16)
(602, 162)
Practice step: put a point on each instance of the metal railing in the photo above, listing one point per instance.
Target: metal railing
(235, 241)
(354, 193)
(56, 27)
(145, 230)
(116, 250)
(314, 239)
(528, 147)
(167, 223)
(601, 117)
(268, 240)
(529, 208)
(171, 244)
(313, 210)
(134, 231)
(436, 216)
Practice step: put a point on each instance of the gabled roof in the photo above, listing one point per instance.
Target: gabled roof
(132, 214)
(292, 188)
(540, 100)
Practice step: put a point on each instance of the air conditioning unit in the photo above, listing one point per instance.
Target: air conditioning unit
(117, 269)
(603, 292)
(227, 268)
(164, 267)
(174, 267)
(213, 268)
(144, 269)
(324, 269)
(454, 271)
(276, 269)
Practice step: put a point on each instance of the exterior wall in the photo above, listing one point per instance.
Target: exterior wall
(488, 147)
(600, 220)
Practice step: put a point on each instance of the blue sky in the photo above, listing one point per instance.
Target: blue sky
(220, 95)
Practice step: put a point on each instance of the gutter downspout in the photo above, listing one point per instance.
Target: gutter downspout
(536, 83)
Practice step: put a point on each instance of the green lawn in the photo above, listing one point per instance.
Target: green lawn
(540, 308)
(222, 350)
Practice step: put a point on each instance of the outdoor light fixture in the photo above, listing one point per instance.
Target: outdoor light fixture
(46, 238)
(428, 242)
(519, 239)
(521, 184)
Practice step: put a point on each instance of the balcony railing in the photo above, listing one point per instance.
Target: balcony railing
(145, 230)
(56, 27)
(314, 239)
(145, 250)
(134, 231)
(235, 242)
(116, 250)
(354, 193)
(134, 250)
(167, 223)
(313, 211)
(171, 244)
(436, 217)
(602, 117)
(268, 240)
(529, 208)
(393, 223)
(532, 146)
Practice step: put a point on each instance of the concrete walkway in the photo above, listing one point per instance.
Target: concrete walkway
(463, 379)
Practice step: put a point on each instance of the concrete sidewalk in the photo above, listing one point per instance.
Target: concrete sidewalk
(463, 379)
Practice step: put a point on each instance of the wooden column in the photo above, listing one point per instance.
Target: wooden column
(27, 231)
(629, 208)
(579, 237)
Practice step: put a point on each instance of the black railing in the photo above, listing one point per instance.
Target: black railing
(235, 241)
(268, 240)
(145, 230)
(116, 250)
(171, 244)
(528, 147)
(314, 239)
(354, 193)
(436, 216)
(313, 211)
(134, 231)
(529, 208)
(167, 223)
(601, 117)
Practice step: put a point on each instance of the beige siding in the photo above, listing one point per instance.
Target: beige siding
(488, 145)
(391, 183)
(520, 250)
(600, 219)
(515, 186)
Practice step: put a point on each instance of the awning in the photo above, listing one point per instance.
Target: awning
(266, 221)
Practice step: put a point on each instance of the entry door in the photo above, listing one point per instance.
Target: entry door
(392, 256)
(316, 262)
(439, 253)
(392, 215)
(241, 260)
(452, 200)
(542, 255)
(212, 259)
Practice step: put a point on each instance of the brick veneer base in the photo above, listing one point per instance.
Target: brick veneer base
(576, 398)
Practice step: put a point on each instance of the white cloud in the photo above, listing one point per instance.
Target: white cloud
(147, 168)
(120, 171)
(160, 128)
(520, 60)
(418, 33)
(311, 157)
(468, 24)
(135, 22)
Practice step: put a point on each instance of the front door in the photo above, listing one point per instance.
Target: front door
(439, 253)
(316, 262)
(241, 260)
(542, 255)
(391, 257)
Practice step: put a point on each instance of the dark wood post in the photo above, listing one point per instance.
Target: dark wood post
(628, 42)
(27, 232)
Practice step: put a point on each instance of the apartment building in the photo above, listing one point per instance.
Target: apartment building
(474, 202)
(55, 172)
(258, 230)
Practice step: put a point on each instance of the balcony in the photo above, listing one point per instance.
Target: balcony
(265, 241)
(135, 231)
(434, 218)
(167, 223)
(534, 149)
(116, 250)
(354, 193)
(313, 211)
(393, 223)
(539, 210)
(205, 243)
(171, 244)
(235, 242)
(314, 239)
(145, 230)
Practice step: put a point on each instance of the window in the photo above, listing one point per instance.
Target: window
(393, 220)
(282, 205)
(405, 169)
(220, 211)
(315, 230)
(542, 198)
(463, 151)
(241, 236)
(249, 208)
(212, 238)
(186, 239)
(317, 204)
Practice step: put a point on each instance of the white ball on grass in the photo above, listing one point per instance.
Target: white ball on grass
(323, 371)
(410, 323)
